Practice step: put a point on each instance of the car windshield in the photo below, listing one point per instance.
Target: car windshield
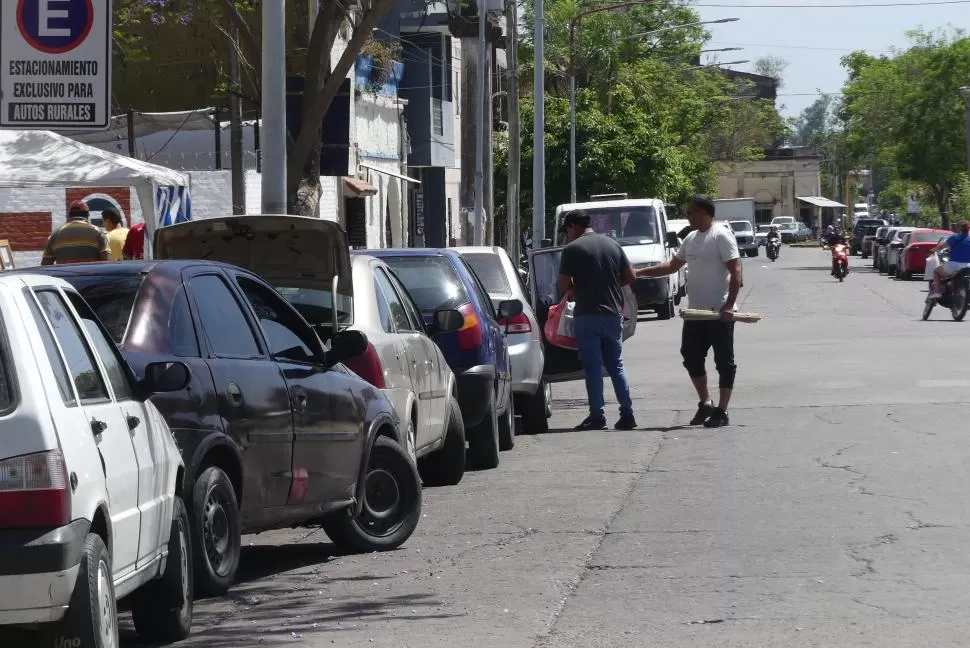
(786, 226)
(489, 269)
(740, 226)
(111, 297)
(926, 237)
(628, 225)
(764, 229)
(432, 281)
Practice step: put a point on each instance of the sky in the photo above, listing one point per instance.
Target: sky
(812, 40)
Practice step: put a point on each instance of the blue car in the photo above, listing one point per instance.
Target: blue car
(441, 280)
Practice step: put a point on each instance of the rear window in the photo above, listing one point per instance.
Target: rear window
(7, 373)
(432, 282)
(489, 269)
(926, 237)
(111, 297)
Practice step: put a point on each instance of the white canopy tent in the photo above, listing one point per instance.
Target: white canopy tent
(33, 159)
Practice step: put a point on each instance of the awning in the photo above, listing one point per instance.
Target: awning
(390, 173)
(819, 201)
(359, 188)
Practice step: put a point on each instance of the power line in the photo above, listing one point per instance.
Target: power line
(834, 6)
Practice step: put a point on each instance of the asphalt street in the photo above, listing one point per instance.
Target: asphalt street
(831, 513)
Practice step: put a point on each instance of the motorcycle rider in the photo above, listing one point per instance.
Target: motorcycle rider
(833, 239)
(959, 245)
(773, 236)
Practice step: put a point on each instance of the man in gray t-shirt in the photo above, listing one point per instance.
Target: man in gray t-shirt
(595, 268)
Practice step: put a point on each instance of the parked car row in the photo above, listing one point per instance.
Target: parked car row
(902, 251)
(256, 375)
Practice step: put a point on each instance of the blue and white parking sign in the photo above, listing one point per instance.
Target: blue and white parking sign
(55, 64)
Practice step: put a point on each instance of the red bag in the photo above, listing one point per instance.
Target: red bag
(559, 328)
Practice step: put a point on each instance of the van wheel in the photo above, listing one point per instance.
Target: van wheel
(666, 311)
(483, 438)
(92, 618)
(446, 466)
(535, 419)
(162, 610)
(391, 507)
(216, 532)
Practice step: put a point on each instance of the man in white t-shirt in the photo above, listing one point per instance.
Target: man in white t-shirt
(713, 281)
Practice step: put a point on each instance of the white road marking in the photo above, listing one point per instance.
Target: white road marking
(935, 384)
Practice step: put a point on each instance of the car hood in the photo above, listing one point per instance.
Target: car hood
(294, 251)
(651, 253)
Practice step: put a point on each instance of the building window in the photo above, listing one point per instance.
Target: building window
(763, 213)
(437, 117)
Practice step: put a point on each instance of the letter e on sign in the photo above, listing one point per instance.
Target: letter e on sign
(54, 26)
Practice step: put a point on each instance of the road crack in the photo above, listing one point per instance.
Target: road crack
(919, 524)
(855, 552)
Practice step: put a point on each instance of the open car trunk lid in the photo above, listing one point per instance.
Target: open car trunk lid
(298, 255)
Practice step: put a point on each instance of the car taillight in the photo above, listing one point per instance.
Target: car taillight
(517, 324)
(34, 491)
(368, 366)
(470, 333)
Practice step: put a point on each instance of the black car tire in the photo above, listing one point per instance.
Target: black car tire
(390, 474)
(446, 465)
(87, 610)
(959, 299)
(162, 609)
(506, 426)
(483, 438)
(666, 310)
(535, 418)
(216, 532)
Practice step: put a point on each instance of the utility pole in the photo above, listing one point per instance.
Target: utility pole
(274, 108)
(237, 170)
(480, 99)
(539, 132)
(512, 188)
(965, 93)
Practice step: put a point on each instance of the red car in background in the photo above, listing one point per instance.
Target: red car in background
(912, 258)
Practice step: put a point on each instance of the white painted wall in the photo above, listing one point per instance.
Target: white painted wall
(453, 174)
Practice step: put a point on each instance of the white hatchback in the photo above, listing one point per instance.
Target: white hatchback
(89, 477)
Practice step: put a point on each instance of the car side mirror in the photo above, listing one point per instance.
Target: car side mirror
(509, 308)
(446, 321)
(673, 241)
(161, 377)
(345, 345)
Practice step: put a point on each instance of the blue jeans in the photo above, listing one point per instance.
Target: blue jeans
(600, 342)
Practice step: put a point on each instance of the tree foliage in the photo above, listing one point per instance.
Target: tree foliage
(904, 111)
(322, 71)
(649, 123)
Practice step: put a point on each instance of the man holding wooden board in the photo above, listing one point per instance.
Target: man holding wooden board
(713, 281)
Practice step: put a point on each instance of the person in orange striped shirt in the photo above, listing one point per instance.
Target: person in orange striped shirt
(77, 240)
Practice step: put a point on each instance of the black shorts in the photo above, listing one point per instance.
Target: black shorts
(697, 338)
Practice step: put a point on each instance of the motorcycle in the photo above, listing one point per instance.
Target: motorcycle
(840, 261)
(773, 246)
(954, 292)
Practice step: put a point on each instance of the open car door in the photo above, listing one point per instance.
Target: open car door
(562, 364)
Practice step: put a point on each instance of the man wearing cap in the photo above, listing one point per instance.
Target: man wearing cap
(595, 268)
(77, 240)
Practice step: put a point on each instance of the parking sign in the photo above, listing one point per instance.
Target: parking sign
(55, 64)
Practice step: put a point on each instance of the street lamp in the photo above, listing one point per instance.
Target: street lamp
(572, 86)
(698, 67)
(572, 73)
(673, 27)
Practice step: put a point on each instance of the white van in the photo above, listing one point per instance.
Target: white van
(640, 226)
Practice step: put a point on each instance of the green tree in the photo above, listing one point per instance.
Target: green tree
(904, 111)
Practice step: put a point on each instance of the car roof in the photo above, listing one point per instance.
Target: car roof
(415, 252)
(120, 268)
(476, 249)
(594, 204)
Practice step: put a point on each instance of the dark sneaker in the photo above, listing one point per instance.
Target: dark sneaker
(719, 418)
(591, 423)
(704, 411)
(626, 422)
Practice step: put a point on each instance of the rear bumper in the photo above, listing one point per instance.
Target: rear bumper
(38, 572)
(525, 362)
(474, 386)
(651, 292)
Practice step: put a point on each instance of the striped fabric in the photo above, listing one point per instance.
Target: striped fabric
(77, 241)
